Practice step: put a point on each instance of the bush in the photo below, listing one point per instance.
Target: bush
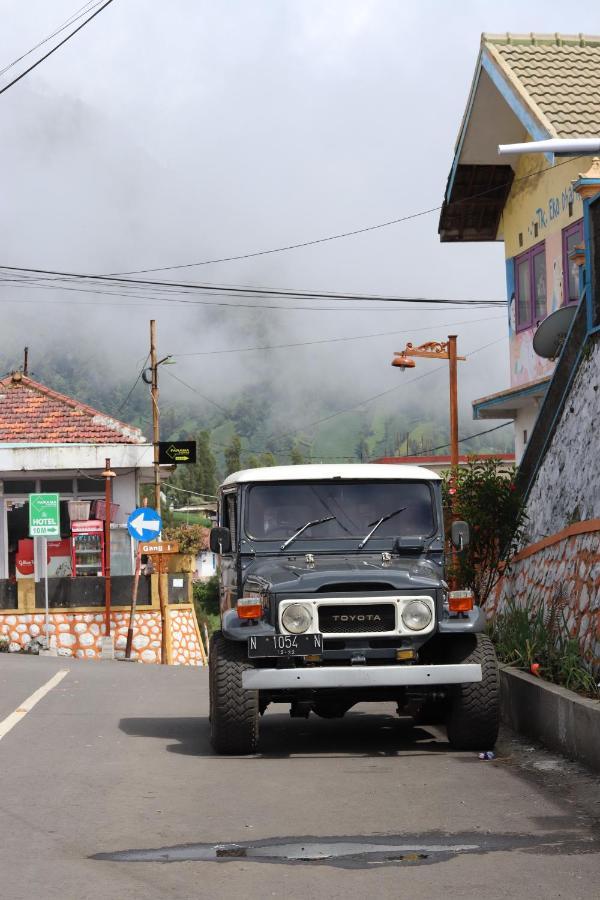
(485, 496)
(191, 538)
(206, 602)
(530, 634)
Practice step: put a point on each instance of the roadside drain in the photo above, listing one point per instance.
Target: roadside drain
(360, 852)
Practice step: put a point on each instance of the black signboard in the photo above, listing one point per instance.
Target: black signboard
(176, 452)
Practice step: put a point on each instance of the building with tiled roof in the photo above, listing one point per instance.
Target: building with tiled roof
(556, 75)
(546, 210)
(526, 87)
(33, 413)
(51, 443)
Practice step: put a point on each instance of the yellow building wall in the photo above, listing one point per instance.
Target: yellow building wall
(538, 210)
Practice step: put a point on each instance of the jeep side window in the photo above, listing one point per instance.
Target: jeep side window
(230, 510)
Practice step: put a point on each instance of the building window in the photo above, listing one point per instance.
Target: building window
(56, 486)
(571, 237)
(524, 436)
(530, 279)
(20, 487)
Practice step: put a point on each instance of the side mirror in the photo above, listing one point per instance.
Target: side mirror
(460, 535)
(220, 540)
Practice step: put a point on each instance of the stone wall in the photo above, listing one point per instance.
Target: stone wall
(78, 634)
(567, 485)
(561, 562)
(565, 573)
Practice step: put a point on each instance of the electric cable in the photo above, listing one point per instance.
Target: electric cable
(210, 289)
(343, 234)
(54, 49)
(74, 17)
(461, 440)
(133, 387)
(357, 337)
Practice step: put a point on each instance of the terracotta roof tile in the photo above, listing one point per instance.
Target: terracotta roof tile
(31, 412)
(560, 73)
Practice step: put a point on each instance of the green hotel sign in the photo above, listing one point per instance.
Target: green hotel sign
(44, 515)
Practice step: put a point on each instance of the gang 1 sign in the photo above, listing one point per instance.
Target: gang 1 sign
(176, 452)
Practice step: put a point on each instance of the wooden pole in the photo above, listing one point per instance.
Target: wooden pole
(163, 611)
(452, 357)
(155, 414)
(107, 511)
(453, 369)
(134, 593)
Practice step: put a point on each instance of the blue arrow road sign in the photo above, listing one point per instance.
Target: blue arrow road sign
(144, 524)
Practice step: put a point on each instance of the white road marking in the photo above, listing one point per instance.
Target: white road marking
(27, 705)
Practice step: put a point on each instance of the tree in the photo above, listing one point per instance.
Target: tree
(296, 456)
(486, 496)
(232, 454)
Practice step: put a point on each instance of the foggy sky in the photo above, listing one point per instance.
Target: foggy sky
(167, 133)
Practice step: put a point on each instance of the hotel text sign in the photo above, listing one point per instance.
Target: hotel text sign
(44, 515)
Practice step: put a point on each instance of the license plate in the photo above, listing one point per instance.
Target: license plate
(285, 645)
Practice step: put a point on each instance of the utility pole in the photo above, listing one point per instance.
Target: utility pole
(155, 413)
(452, 363)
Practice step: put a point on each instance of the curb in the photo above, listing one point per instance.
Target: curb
(553, 715)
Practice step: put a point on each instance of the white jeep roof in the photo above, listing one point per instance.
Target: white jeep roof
(355, 472)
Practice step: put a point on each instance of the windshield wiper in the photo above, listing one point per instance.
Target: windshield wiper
(378, 523)
(304, 527)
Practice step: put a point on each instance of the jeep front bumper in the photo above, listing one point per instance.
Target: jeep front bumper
(359, 676)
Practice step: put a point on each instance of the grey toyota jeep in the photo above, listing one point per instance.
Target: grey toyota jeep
(332, 593)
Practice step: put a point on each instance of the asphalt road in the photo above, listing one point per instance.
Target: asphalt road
(116, 758)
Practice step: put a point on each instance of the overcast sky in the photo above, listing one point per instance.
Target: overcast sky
(181, 131)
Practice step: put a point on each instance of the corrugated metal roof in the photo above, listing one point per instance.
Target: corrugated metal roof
(559, 73)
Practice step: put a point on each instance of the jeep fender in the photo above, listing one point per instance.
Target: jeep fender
(236, 629)
(472, 622)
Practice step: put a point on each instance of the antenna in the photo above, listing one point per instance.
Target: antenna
(550, 336)
(26, 361)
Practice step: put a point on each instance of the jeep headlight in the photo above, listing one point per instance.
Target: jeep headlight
(296, 618)
(416, 615)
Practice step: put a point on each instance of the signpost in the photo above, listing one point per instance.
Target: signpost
(144, 524)
(178, 452)
(44, 523)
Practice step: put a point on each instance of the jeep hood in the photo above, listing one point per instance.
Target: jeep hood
(296, 576)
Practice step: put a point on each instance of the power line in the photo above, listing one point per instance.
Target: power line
(74, 17)
(343, 234)
(133, 387)
(54, 49)
(196, 391)
(210, 289)
(357, 337)
(462, 440)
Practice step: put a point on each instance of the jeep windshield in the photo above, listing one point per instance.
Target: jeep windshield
(339, 510)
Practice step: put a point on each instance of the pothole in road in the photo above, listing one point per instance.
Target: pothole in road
(361, 852)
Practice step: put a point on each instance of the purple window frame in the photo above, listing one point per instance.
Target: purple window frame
(569, 231)
(528, 256)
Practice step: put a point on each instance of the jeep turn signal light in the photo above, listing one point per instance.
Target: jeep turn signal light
(250, 608)
(405, 654)
(460, 601)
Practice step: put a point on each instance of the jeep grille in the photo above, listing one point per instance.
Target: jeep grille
(366, 618)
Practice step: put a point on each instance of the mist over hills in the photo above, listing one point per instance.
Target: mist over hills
(329, 424)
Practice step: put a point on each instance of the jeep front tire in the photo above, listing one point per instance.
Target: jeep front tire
(233, 711)
(474, 708)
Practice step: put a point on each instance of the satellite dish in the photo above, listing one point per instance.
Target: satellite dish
(550, 335)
